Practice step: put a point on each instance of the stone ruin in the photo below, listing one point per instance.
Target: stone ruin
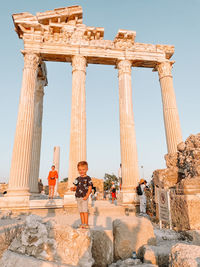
(183, 168)
(44, 243)
(182, 176)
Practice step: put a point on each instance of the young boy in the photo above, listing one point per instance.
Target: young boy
(83, 188)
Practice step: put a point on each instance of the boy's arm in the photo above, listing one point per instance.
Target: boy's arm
(88, 193)
(73, 188)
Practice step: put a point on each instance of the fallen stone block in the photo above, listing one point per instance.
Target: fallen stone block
(11, 259)
(130, 234)
(184, 255)
(155, 254)
(102, 247)
(52, 242)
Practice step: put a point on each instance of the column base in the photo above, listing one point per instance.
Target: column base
(17, 192)
(14, 202)
(128, 197)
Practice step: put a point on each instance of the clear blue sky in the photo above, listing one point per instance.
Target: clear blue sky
(158, 22)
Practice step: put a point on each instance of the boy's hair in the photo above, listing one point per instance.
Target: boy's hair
(82, 163)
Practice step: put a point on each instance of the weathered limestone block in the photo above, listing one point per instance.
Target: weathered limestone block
(185, 211)
(181, 147)
(131, 262)
(156, 254)
(52, 242)
(166, 177)
(171, 160)
(102, 247)
(11, 259)
(189, 186)
(185, 256)
(130, 234)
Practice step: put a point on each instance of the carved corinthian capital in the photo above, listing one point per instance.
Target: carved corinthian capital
(164, 69)
(124, 66)
(31, 60)
(79, 63)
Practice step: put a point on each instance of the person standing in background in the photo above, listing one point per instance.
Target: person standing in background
(142, 197)
(53, 176)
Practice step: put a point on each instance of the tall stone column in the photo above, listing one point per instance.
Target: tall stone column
(22, 150)
(170, 111)
(37, 132)
(78, 117)
(129, 159)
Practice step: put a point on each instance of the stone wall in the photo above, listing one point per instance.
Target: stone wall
(183, 167)
(183, 175)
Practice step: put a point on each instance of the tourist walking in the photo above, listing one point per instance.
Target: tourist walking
(113, 192)
(83, 188)
(141, 193)
(53, 176)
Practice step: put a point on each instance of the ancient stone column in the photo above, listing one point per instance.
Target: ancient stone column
(37, 132)
(170, 111)
(56, 162)
(22, 150)
(129, 159)
(78, 117)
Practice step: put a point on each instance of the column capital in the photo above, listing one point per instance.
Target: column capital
(164, 69)
(79, 63)
(31, 60)
(124, 66)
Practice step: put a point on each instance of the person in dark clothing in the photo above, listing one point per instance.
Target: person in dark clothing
(83, 188)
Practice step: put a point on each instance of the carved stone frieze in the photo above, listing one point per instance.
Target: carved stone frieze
(124, 39)
(61, 32)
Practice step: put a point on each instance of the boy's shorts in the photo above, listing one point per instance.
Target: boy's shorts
(82, 204)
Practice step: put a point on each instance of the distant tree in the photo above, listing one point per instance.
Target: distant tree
(108, 179)
(64, 180)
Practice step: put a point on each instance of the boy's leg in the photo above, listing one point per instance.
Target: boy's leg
(82, 218)
(80, 208)
(85, 211)
(85, 214)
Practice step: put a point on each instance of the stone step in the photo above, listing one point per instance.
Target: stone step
(46, 203)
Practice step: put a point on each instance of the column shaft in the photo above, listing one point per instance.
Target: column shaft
(78, 117)
(22, 150)
(129, 160)
(37, 136)
(170, 111)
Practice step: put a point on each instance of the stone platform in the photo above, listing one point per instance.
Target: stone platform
(96, 208)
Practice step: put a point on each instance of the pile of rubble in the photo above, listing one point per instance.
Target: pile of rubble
(183, 167)
(45, 243)
(40, 241)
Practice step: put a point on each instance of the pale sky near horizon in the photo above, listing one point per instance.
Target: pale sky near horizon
(157, 22)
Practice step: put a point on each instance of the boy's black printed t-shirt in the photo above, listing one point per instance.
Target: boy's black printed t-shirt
(82, 185)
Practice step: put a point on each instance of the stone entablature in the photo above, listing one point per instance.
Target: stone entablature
(58, 34)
